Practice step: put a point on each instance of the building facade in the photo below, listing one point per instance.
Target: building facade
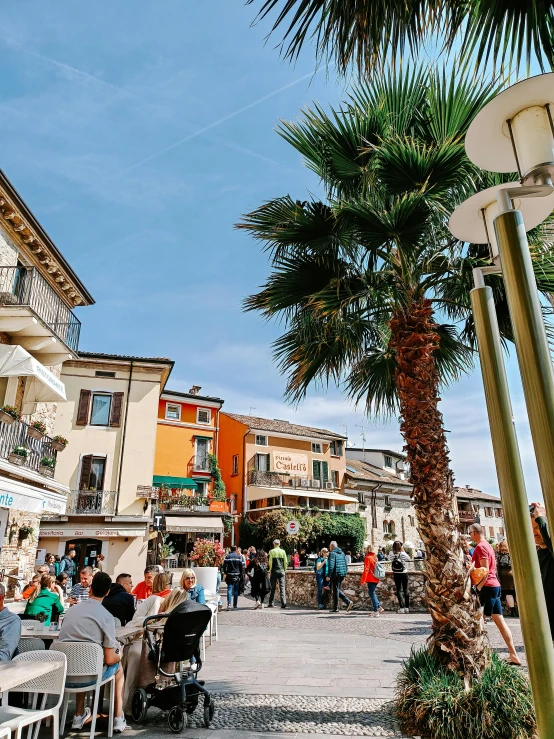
(270, 463)
(38, 331)
(188, 428)
(475, 506)
(110, 419)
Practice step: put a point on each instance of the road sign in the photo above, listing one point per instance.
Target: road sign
(293, 527)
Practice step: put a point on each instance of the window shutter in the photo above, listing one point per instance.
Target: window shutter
(316, 468)
(269, 465)
(117, 407)
(84, 407)
(325, 469)
(86, 465)
(339, 448)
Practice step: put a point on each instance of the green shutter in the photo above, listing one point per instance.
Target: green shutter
(339, 448)
(316, 469)
(269, 469)
(325, 467)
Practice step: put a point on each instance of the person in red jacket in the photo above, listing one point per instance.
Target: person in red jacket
(368, 577)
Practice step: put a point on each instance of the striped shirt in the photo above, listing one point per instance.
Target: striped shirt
(79, 592)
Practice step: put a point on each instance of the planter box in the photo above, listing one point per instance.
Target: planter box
(46, 471)
(57, 446)
(6, 418)
(207, 577)
(17, 459)
(34, 433)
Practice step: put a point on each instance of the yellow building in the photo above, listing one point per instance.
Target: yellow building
(110, 420)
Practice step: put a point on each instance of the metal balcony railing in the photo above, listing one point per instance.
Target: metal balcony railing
(15, 434)
(26, 286)
(279, 480)
(201, 463)
(91, 503)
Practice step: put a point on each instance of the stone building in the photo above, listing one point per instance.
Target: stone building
(38, 332)
(475, 506)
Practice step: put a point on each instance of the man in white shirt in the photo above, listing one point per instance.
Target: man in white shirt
(89, 621)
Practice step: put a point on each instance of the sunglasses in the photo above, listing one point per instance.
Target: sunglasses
(190, 578)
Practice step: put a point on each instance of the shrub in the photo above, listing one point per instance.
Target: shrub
(21, 451)
(207, 553)
(48, 462)
(431, 701)
(12, 411)
(39, 426)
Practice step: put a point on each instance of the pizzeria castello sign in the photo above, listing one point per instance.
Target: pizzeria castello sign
(290, 464)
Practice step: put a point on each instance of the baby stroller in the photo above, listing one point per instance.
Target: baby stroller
(176, 640)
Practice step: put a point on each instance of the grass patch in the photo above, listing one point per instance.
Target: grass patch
(431, 701)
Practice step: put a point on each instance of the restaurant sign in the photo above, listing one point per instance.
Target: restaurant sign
(290, 463)
(147, 491)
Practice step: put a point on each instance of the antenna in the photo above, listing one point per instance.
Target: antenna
(361, 426)
(345, 427)
(252, 408)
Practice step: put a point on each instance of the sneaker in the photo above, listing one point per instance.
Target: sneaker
(270, 605)
(381, 610)
(350, 606)
(235, 608)
(333, 610)
(119, 724)
(401, 610)
(262, 605)
(320, 608)
(375, 614)
(79, 721)
(284, 606)
(406, 610)
(228, 608)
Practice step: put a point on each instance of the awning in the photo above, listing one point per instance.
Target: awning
(23, 497)
(257, 493)
(193, 524)
(41, 387)
(174, 482)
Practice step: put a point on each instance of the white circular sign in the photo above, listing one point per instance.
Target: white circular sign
(293, 527)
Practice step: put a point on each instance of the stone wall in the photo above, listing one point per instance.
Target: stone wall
(18, 555)
(302, 590)
(8, 251)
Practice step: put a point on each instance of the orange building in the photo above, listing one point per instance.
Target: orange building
(187, 436)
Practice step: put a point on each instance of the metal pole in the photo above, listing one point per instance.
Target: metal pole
(535, 362)
(530, 595)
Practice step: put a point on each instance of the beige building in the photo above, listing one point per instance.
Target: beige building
(110, 419)
(475, 506)
(38, 331)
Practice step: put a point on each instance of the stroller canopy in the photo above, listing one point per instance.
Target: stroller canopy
(183, 631)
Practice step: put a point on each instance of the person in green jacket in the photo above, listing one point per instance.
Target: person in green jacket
(45, 600)
(545, 554)
(277, 565)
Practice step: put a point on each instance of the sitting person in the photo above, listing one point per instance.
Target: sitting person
(89, 621)
(45, 600)
(10, 629)
(151, 606)
(63, 581)
(34, 584)
(144, 589)
(195, 590)
(80, 591)
(119, 601)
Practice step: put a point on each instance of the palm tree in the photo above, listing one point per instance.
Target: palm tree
(364, 32)
(374, 291)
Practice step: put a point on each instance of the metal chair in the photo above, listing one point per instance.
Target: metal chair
(52, 683)
(30, 644)
(85, 660)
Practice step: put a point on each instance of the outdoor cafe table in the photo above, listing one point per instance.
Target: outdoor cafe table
(13, 674)
(124, 634)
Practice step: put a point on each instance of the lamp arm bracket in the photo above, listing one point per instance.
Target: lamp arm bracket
(480, 272)
(505, 195)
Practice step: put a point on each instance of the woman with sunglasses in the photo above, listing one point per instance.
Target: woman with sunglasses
(195, 590)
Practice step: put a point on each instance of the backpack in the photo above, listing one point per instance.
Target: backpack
(379, 571)
(398, 564)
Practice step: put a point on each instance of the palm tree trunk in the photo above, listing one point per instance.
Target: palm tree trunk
(457, 631)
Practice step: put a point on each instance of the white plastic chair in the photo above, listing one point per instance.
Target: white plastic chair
(85, 660)
(52, 683)
(30, 644)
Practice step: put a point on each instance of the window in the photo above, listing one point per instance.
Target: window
(411, 520)
(262, 462)
(261, 440)
(491, 531)
(201, 461)
(235, 464)
(201, 489)
(336, 478)
(100, 413)
(387, 501)
(361, 498)
(234, 502)
(336, 448)
(388, 461)
(501, 531)
(316, 447)
(498, 512)
(388, 527)
(102, 373)
(489, 512)
(203, 415)
(320, 470)
(93, 471)
(173, 411)
(476, 508)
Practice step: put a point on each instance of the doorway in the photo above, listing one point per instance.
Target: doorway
(87, 551)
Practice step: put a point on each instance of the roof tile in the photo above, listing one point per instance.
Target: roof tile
(283, 427)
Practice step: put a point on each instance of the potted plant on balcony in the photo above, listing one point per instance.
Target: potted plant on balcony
(19, 455)
(59, 443)
(9, 414)
(47, 466)
(36, 430)
(207, 555)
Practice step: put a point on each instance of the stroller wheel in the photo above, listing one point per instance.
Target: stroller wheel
(176, 719)
(139, 705)
(209, 710)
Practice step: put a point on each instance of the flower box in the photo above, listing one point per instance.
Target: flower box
(17, 459)
(6, 418)
(46, 471)
(34, 433)
(57, 446)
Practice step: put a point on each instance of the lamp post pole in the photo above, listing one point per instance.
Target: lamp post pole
(532, 605)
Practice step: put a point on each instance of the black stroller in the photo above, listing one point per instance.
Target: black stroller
(176, 640)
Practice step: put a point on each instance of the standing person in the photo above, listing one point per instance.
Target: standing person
(81, 590)
(277, 567)
(89, 621)
(100, 560)
(259, 577)
(303, 557)
(119, 601)
(506, 575)
(45, 600)
(489, 588)
(336, 572)
(50, 562)
(399, 558)
(233, 569)
(10, 629)
(348, 557)
(144, 589)
(67, 564)
(467, 553)
(369, 578)
(545, 554)
(295, 560)
(320, 569)
(381, 556)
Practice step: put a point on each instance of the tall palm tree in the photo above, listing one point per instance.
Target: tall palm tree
(363, 32)
(374, 291)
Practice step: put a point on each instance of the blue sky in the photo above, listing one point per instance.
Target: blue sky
(138, 133)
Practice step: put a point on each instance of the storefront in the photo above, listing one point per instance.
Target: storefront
(183, 531)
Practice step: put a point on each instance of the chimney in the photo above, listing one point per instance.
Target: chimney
(195, 389)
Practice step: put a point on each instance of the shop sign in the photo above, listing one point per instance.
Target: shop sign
(290, 463)
(147, 491)
(101, 533)
(29, 503)
(218, 505)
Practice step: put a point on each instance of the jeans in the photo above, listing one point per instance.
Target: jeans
(371, 586)
(233, 592)
(401, 582)
(278, 577)
(337, 592)
(320, 581)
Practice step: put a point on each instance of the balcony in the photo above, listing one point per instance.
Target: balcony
(15, 434)
(466, 516)
(255, 513)
(280, 480)
(91, 503)
(188, 503)
(201, 463)
(31, 309)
